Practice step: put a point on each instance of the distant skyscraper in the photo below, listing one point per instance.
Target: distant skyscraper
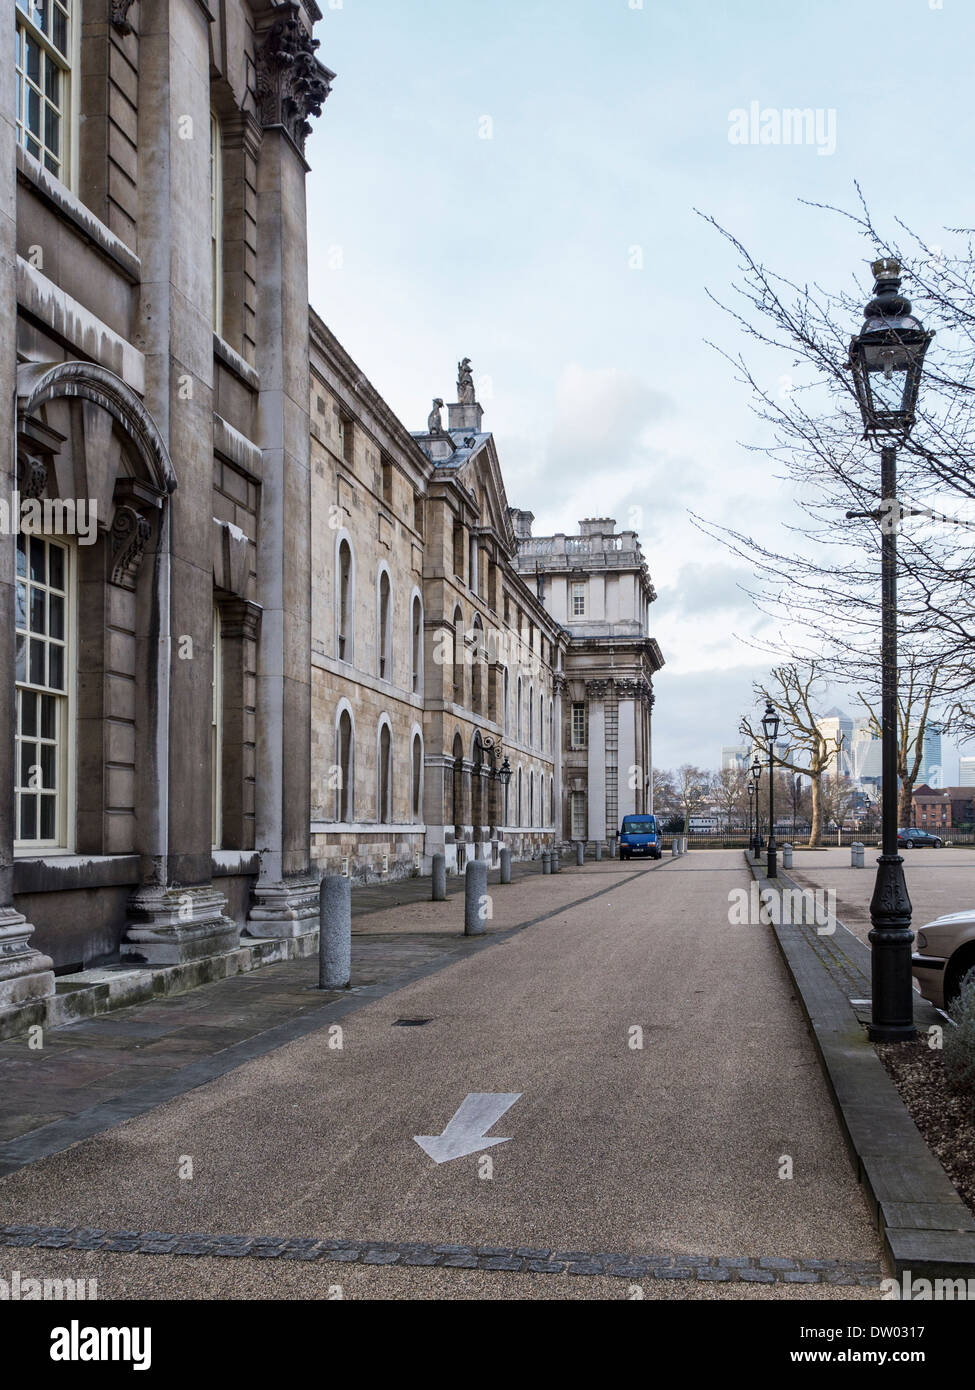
(966, 772)
(736, 756)
(931, 770)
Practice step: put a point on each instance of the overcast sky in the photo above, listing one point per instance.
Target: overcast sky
(517, 182)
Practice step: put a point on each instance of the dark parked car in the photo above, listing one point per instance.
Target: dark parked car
(912, 838)
(641, 835)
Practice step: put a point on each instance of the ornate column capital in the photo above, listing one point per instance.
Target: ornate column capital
(560, 683)
(597, 689)
(291, 82)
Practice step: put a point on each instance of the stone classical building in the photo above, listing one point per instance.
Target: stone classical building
(597, 587)
(156, 621)
(432, 662)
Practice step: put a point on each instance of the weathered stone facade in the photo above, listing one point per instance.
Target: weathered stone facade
(423, 639)
(158, 673)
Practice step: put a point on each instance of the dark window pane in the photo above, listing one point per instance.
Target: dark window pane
(21, 671)
(48, 804)
(55, 613)
(60, 34)
(33, 147)
(55, 675)
(28, 712)
(52, 129)
(38, 616)
(33, 65)
(21, 554)
(48, 767)
(22, 606)
(51, 164)
(28, 762)
(52, 83)
(49, 716)
(56, 560)
(37, 662)
(38, 569)
(28, 817)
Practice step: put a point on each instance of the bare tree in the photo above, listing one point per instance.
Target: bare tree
(918, 691)
(793, 691)
(728, 788)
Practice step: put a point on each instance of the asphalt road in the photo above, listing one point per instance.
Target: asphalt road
(674, 1147)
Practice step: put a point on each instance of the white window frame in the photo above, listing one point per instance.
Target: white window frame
(216, 220)
(577, 591)
(216, 733)
(68, 63)
(578, 708)
(63, 841)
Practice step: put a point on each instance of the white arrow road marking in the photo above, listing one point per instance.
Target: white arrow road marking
(465, 1133)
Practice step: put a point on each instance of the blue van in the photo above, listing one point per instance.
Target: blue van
(640, 835)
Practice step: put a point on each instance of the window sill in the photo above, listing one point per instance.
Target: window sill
(60, 873)
(60, 197)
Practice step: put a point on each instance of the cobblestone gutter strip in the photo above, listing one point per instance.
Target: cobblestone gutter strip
(925, 1226)
(517, 1260)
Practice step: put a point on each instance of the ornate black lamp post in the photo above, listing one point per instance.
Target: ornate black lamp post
(886, 359)
(750, 786)
(756, 778)
(770, 723)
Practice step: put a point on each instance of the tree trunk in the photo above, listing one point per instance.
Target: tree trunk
(817, 816)
(904, 808)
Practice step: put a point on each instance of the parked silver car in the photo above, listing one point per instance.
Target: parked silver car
(944, 952)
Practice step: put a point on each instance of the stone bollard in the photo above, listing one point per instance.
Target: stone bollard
(787, 856)
(674, 851)
(555, 861)
(438, 882)
(546, 861)
(580, 853)
(599, 852)
(856, 855)
(506, 866)
(334, 932)
(475, 898)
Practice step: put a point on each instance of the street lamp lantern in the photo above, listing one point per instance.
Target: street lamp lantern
(887, 356)
(504, 773)
(750, 787)
(756, 778)
(770, 723)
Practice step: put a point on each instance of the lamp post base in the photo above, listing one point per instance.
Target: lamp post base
(890, 940)
(772, 868)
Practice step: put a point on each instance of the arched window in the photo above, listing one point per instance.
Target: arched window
(551, 801)
(344, 767)
(416, 774)
(458, 655)
(384, 791)
(531, 714)
(551, 726)
(504, 708)
(417, 646)
(344, 600)
(531, 797)
(385, 663)
(518, 713)
(519, 796)
(458, 785)
(477, 669)
(477, 782)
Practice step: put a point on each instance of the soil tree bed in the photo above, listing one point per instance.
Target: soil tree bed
(945, 1118)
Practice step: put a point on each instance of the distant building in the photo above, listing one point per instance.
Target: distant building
(835, 725)
(938, 809)
(865, 755)
(735, 757)
(966, 772)
(931, 769)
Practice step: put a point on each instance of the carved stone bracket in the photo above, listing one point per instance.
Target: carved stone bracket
(240, 617)
(291, 82)
(31, 477)
(598, 689)
(120, 12)
(559, 683)
(130, 534)
(628, 689)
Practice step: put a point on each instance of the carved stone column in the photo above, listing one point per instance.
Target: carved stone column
(291, 86)
(596, 691)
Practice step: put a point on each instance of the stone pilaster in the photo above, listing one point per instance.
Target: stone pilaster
(596, 779)
(292, 85)
(26, 977)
